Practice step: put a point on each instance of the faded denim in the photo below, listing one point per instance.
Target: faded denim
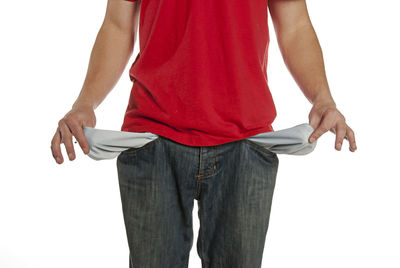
(233, 184)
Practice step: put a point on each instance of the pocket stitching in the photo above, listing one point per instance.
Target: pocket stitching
(133, 150)
(259, 148)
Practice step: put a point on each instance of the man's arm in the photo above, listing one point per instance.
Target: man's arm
(111, 51)
(303, 57)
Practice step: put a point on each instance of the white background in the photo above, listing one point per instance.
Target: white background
(330, 209)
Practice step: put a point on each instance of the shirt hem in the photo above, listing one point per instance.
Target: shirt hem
(191, 140)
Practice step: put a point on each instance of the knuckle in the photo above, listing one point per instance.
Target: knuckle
(324, 128)
(68, 120)
(331, 111)
(341, 130)
(73, 121)
(68, 116)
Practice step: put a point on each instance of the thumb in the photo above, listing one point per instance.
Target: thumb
(314, 122)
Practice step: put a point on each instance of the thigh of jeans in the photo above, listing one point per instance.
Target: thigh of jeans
(157, 224)
(234, 211)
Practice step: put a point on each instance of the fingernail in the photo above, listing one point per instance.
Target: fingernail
(312, 139)
(58, 159)
(70, 155)
(339, 146)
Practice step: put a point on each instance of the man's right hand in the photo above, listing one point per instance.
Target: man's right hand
(72, 125)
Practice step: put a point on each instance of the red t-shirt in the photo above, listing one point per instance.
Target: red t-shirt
(200, 77)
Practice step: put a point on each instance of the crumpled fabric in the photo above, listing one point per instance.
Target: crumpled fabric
(108, 144)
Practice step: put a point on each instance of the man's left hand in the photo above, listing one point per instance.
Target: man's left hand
(324, 117)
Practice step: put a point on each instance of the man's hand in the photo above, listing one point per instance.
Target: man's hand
(302, 54)
(72, 125)
(324, 117)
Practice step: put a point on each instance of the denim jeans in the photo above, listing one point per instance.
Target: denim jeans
(233, 184)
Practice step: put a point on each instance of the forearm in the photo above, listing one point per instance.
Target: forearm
(303, 57)
(111, 51)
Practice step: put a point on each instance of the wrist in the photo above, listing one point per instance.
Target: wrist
(83, 103)
(323, 99)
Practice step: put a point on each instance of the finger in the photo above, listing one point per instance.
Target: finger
(55, 147)
(326, 124)
(79, 135)
(351, 138)
(66, 137)
(340, 132)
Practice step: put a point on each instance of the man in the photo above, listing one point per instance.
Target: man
(200, 83)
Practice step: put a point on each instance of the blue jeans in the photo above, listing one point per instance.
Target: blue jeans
(233, 184)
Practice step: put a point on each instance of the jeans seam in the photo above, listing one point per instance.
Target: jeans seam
(202, 225)
(198, 187)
